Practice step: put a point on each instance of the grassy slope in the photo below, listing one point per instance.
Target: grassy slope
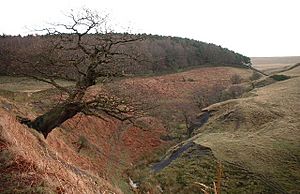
(106, 148)
(260, 132)
(256, 138)
(29, 98)
(172, 95)
(274, 64)
(30, 164)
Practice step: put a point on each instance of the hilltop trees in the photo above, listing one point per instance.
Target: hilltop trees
(93, 52)
(165, 53)
(86, 50)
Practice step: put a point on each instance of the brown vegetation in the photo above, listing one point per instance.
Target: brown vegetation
(29, 165)
(174, 94)
(68, 46)
(106, 148)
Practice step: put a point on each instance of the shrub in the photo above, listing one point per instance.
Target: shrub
(218, 93)
(232, 92)
(82, 143)
(204, 97)
(190, 80)
(280, 77)
(255, 76)
(236, 79)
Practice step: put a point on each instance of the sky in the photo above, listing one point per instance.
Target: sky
(251, 27)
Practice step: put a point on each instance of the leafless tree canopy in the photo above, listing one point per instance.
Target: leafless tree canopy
(95, 52)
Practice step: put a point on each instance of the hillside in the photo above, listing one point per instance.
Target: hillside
(30, 164)
(85, 155)
(86, 149)
(274, 64)
(157, 54)
(256, 139)
(201, 112)
(174, 96)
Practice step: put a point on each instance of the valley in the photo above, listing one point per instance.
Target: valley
(252, 136)
(274, 64)
(84, 109)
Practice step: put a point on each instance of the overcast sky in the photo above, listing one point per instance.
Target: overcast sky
(250, 27)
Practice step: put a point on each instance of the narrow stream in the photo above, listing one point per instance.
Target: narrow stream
(166, 162)
(199, 122)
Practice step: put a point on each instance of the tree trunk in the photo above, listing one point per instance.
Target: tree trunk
(55, 117)
(66, 110)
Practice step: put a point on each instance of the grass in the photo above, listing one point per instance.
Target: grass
(193, 167)
(256, 138)
(19, 176)
(173, 94)
(274, 64)
(36, 95)
(180, 70)
(259, 132)
(23, 84)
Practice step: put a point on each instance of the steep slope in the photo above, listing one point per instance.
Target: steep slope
(87, 146)
(174, 95)
(84, 155)
(29, 164)
(256, 138)
(261, 132)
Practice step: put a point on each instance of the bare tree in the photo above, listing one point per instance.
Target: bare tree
(89, 51)
(204, 97)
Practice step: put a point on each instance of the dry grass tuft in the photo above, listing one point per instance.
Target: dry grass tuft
(216, 189)
(34, 165)
(260, 132)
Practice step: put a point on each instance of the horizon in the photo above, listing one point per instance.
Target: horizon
(296, 56)
(252, 28)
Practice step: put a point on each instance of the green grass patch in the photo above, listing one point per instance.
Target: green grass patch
(195, 166)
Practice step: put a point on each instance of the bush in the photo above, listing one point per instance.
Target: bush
(204, 97)
(236, 79)
(232, 92)
(280, 77)
(190, 80)
(235, 91)
(82, 143)
(218, 93)
(255, 76)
